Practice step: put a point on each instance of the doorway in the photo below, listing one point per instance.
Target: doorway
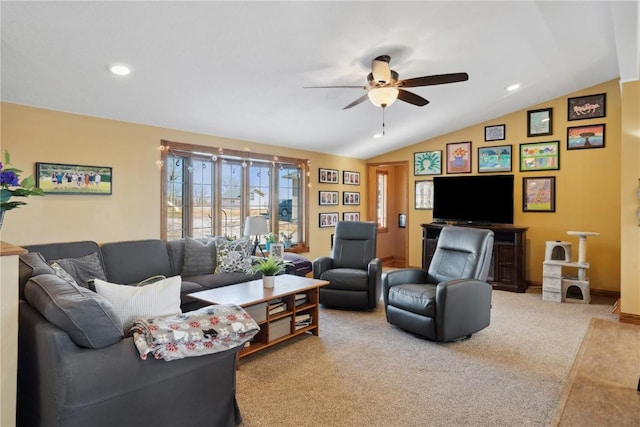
(389, 206)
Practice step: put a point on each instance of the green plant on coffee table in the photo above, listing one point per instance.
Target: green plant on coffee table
(269, 266)
(270, 238)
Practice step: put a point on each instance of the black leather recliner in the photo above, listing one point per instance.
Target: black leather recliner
(450, 301)
(353, 270)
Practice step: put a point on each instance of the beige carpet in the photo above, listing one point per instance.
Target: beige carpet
(602, 385)
(361, 371)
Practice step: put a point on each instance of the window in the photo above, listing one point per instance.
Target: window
(210, 191)
(382, 196)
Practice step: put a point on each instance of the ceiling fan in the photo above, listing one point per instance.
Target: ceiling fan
(383, 87)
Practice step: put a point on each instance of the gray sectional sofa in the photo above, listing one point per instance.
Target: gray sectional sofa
(75, 374)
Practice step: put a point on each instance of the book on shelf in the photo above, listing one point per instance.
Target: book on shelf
(300, 299)
(277, 308)
(303, 320)
(303, 317)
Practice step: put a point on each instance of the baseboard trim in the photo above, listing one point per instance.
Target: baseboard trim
(633, 319)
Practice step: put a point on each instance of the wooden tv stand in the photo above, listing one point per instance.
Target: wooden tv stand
(507, 271)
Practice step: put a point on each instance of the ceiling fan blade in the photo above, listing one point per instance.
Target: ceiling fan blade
(411, 98)
(357, 101)
(380, 71)
(437, 79)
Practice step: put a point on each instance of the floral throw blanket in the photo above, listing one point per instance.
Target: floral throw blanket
(208, 330)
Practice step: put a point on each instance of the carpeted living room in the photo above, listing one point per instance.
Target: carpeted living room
(159, 161)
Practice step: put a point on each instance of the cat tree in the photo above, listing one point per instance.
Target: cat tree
(557, 256)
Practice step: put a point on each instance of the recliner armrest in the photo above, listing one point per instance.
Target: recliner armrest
(464, 307)
(401, 277)
(321, 265)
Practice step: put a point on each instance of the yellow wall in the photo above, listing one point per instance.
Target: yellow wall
(630, 211)
(133, 211)
(587, 187)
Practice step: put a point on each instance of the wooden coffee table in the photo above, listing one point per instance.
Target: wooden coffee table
(287, 310)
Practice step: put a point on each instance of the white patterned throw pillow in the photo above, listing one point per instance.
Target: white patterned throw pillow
(233, 255)
(131, 303)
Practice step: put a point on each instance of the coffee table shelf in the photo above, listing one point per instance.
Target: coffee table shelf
(278, 327)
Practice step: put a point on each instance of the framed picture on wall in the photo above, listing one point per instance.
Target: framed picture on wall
(427, 163)
(350, 178)
(328, 219)
(540, 156)
(60, 178)
(539, 194)
(350, 198)
(539, 122)
(591, 136)
(494, 159)
(424, 195)
(587, 107)
(328, 198)
(351, 216)
(494, 133)
(459, 157)
(328, 176)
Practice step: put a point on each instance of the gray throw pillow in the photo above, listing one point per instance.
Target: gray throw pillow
(199, 257)
(31, 264)
(82, 269)
(89, 319)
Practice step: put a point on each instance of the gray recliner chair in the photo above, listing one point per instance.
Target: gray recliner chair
(353, 270)
(450, 301)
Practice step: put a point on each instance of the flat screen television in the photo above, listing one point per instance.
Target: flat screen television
(485, 199)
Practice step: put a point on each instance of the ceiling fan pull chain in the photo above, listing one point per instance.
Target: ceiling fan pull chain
(383, 121)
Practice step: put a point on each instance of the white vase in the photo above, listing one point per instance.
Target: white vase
(268, 281)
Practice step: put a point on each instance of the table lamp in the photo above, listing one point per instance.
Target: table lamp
(256, 226)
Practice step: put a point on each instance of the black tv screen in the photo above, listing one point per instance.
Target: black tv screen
(486, 199)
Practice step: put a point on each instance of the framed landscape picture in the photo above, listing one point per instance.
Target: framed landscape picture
(427, 163)
(494, 159)
(587, 107)
(579, 137)
(539, 122)
(60, 178)
(459, 157)
(539, 194)
(540, 156)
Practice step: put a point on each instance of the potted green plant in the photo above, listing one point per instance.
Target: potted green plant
(269, 267)
(269, 239)
(286, 238)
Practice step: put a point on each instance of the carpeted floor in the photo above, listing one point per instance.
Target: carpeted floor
(602, 385)
(361, 371)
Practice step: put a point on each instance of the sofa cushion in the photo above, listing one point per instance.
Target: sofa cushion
(88, 319)
(83, 268)
(63, 274)
(233, 255)
(31, 264)
(130, 262)
(199, 257)
(209, 281)
(131, 303)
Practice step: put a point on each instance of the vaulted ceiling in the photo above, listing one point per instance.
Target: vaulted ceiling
(238, 69)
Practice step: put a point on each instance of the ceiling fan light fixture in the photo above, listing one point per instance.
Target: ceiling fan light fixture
(383, 96)
(381, 71)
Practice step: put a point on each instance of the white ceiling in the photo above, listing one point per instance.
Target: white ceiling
(237, 69)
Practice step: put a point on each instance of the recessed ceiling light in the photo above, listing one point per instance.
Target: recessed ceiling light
(513, 87)
(120, 69)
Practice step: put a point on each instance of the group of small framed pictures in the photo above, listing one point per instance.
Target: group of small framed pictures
(330, 219)
(330, 176)
(332, 198)
(538, 192)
